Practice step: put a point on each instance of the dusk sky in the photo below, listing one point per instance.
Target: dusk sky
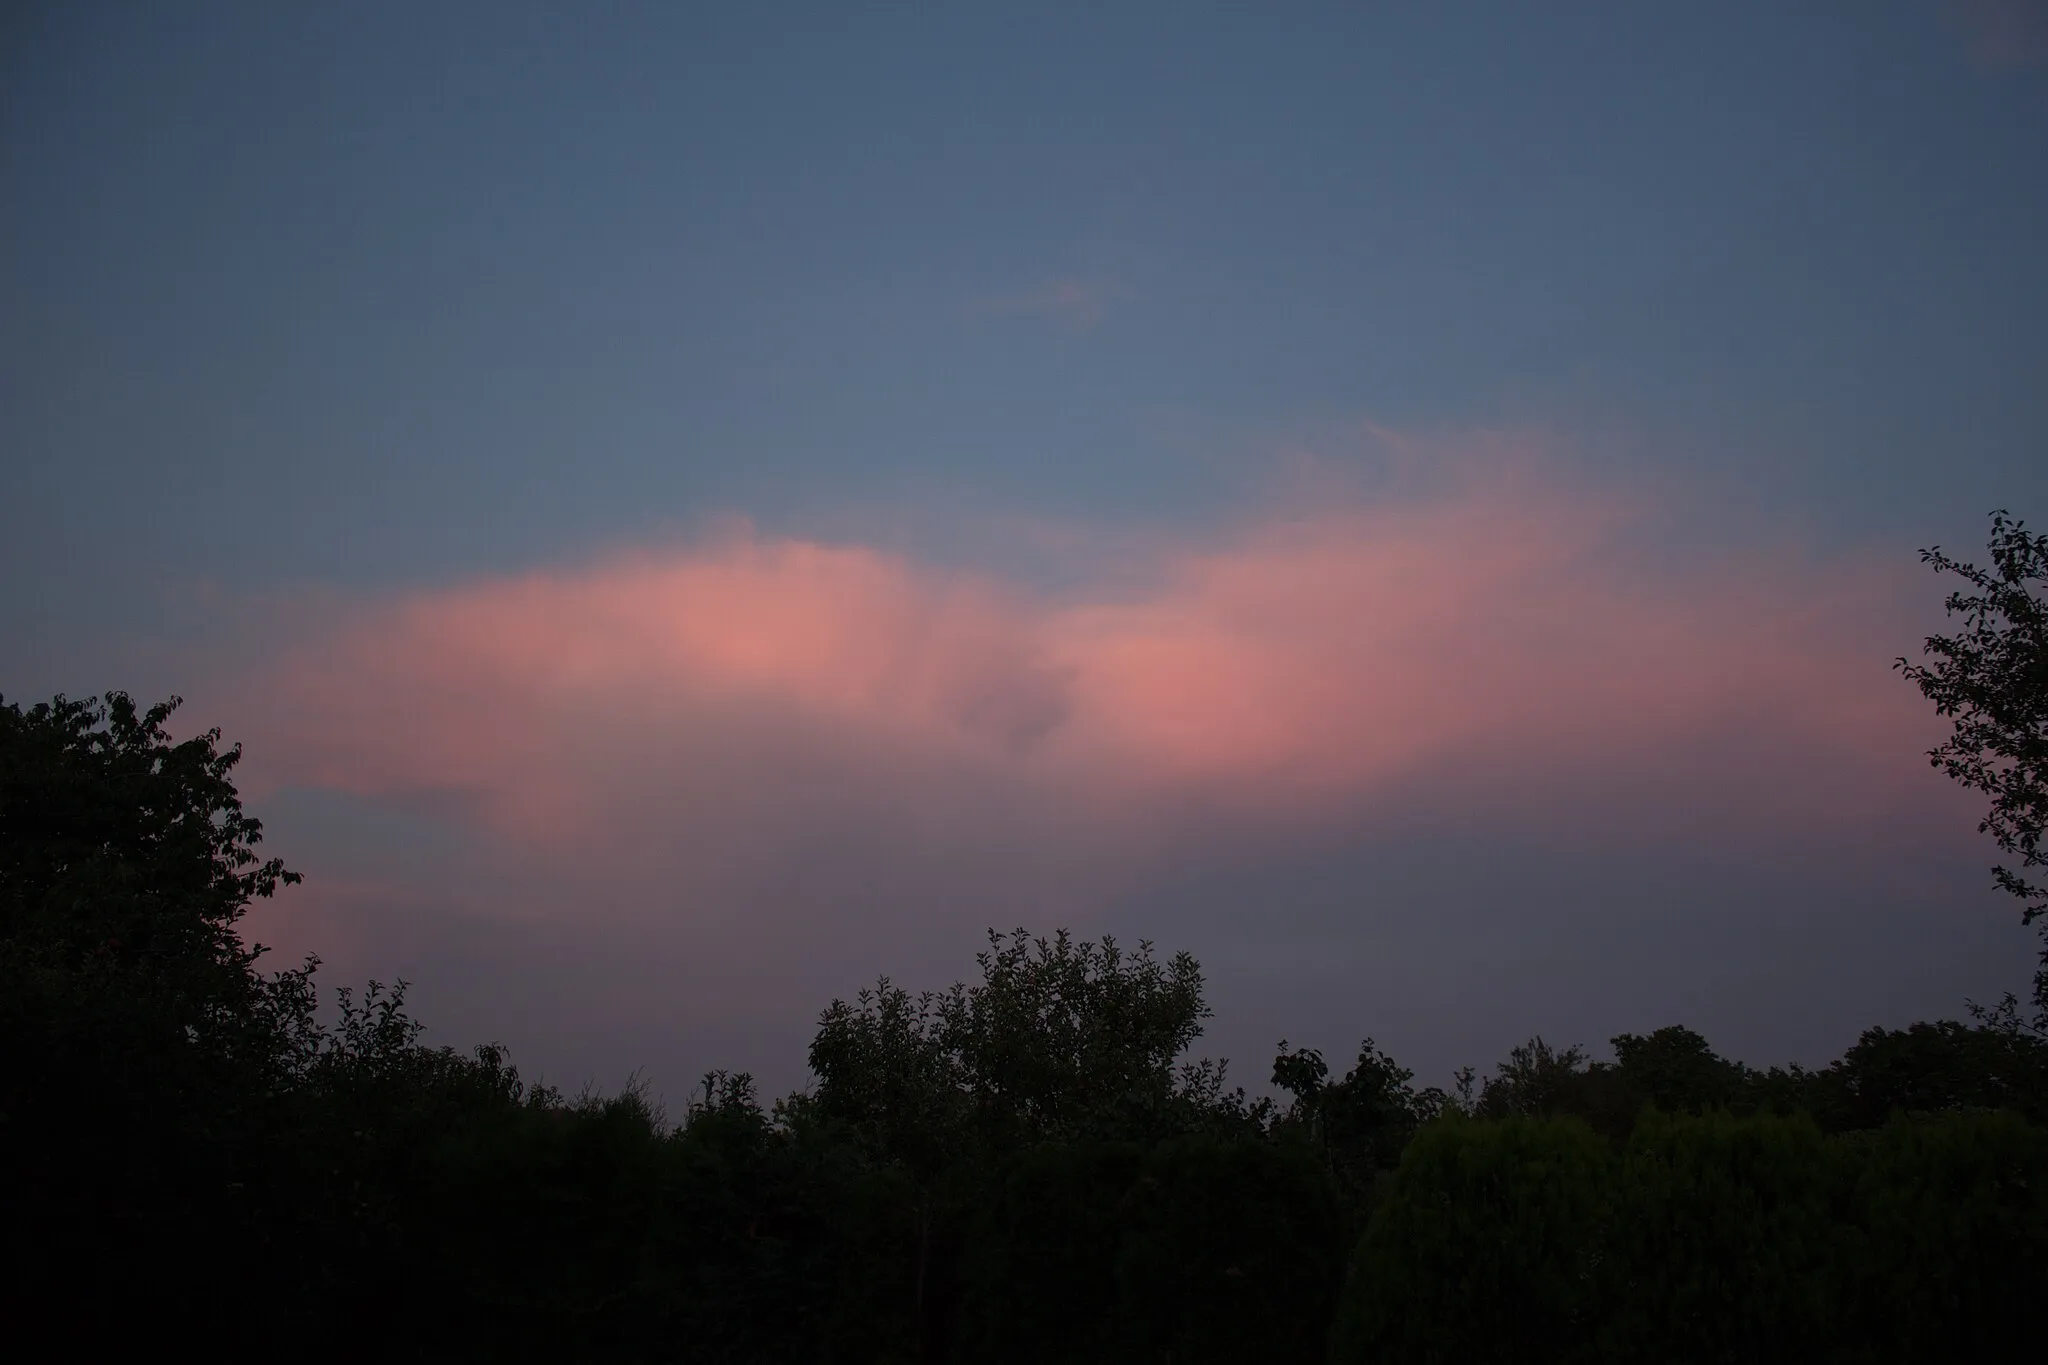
(690, 507)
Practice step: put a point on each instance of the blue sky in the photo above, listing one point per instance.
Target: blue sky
(312, 313)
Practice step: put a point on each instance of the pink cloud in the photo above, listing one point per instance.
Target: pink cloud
(684, 795)
(1495, 643)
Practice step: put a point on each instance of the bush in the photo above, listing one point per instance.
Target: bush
(1707, 1239)
(1198, 1249)
(1726, 1241)
(1487, 1248)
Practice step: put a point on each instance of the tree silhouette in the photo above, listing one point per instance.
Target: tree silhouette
(1991, 679)
(1018, 1169)
(145, 1053)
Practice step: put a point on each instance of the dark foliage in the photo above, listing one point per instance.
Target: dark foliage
(1991, 680)
(1020, 1169)
(1706, 1239)
(144, 1054)
(1197, 1249)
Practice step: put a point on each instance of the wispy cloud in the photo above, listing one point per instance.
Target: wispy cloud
(1068, 301)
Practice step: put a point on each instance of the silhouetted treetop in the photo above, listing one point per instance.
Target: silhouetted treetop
(1991, 680)
(114, 840)
(1061, 1038)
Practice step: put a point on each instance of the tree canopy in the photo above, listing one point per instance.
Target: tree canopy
(119, 846)
(1061, 1039)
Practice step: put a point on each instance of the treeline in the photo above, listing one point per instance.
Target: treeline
(1018, 1169)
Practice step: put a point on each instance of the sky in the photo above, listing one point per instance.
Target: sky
(691, 508)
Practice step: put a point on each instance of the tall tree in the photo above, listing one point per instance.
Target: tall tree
(144, 1051)
(1991, 679)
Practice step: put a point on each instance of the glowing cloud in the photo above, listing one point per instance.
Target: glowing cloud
(1506, 637)
(676, 788)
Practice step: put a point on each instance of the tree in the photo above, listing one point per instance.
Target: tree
(1536, 1079)
(1066, 1039)
(120, 849)
(145, 1054)
(1932, 1067)
(1675, 1069)
(1991, 679)
(1358, 1125)
(1060, 1041)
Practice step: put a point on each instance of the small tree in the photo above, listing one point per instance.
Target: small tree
(1676, 1070)
(1359, 1124)
(1991, 678)
(1060, 1041)
(1536, 1079)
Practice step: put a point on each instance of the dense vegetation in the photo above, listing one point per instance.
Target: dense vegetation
(1018, 1169)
